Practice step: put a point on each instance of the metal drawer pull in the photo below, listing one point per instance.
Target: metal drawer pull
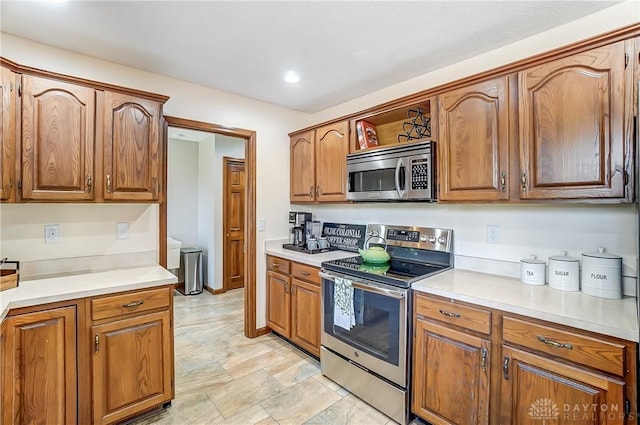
(275, 265)
(305, 273)
(555, 343)
(133, 304)
(446, 313)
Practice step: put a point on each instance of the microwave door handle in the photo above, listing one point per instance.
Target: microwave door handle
(399, 165)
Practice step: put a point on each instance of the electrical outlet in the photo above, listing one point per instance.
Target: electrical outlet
(51, 233)
(493, 233)
(122, 230)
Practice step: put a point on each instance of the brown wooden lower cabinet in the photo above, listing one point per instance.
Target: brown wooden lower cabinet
(39, 365)
(474, 365)
(94, 360)
(535, 388)
(124, 384)
(293, 302)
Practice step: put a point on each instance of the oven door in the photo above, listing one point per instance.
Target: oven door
(380, 179)
(378, 340)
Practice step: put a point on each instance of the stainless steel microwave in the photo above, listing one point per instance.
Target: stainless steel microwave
(397, 173)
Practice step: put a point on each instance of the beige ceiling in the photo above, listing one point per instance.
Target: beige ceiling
(342, 49)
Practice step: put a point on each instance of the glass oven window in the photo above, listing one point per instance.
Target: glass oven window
(377, 323)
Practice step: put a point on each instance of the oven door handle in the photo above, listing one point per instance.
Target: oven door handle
(368, 288)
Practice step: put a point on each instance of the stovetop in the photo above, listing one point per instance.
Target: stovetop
(396, 272)
(416, 253)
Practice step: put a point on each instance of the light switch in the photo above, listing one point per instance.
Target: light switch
(122, 230)
(262, 224)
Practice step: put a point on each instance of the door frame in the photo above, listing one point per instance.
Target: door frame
(249, 136)
(226, 160)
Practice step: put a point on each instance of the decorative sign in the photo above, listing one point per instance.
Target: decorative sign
(348, 237)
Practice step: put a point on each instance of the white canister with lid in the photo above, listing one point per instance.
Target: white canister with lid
(602, 274)
(564, 272)
(532, 271)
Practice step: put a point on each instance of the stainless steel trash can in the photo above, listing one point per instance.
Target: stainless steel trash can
(190, 278)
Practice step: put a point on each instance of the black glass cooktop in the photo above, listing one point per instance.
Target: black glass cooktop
(396, 272)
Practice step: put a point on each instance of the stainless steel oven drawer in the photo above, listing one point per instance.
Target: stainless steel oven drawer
(387, 398)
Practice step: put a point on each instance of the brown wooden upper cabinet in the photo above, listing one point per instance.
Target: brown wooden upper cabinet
(132, 149)
(58, 140)
(575, 141)
(7, 134)
(80, 143)
(318, 164)
(473, 144)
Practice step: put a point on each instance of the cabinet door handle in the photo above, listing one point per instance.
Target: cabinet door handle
(311, 191)
(96, 343)
(89, 183)
(133, 304)
(449, 314)
(318, 191)
(554, 343)
(503, 182)
(108, 183)
(483, 360)
(523, 180)
(505, 368)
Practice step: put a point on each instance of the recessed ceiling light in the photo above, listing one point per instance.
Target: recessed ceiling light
(291, 77)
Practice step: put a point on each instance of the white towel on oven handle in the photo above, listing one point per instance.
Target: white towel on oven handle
(343, 314)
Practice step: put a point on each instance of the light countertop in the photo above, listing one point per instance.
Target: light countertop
(62, 288)
(617, 318)
(301, 257)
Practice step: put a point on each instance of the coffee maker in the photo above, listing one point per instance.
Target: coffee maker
(298, 221)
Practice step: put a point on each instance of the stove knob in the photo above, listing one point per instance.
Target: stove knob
(432, 239)
(423, 238)
(442, 240)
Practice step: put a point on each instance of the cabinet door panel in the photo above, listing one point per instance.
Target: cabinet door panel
(124, 385)
(58, 139)
(541, 389)
(302, 183)
(572, 126)
(451, 375)
(305, 316)
(278, 303)
(40, 368)
(132, 157)
(332, 147)
(7, 134)
(474, 142)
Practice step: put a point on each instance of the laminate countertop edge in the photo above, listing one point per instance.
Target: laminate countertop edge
(616, 318)
(68, 287)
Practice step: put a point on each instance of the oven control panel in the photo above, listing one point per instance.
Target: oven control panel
(413, 237)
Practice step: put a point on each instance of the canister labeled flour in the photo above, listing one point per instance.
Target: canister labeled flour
(602, 274)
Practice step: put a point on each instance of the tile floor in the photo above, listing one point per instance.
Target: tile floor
(224, 378)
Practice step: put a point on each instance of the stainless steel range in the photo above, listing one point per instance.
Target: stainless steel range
(366, 311)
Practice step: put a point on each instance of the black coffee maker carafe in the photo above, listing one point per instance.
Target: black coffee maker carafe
(298, 221)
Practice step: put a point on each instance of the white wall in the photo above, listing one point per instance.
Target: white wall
(206, 205)
(85, 230)
(234, 148)
(182, 191)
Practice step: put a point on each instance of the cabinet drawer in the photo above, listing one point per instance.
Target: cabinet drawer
(305, 272)
(118, 305)
(277, 264)
(583, 349)
(471, 318)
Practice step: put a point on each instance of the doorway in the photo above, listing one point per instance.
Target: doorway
(249, 262)
(233, 223)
